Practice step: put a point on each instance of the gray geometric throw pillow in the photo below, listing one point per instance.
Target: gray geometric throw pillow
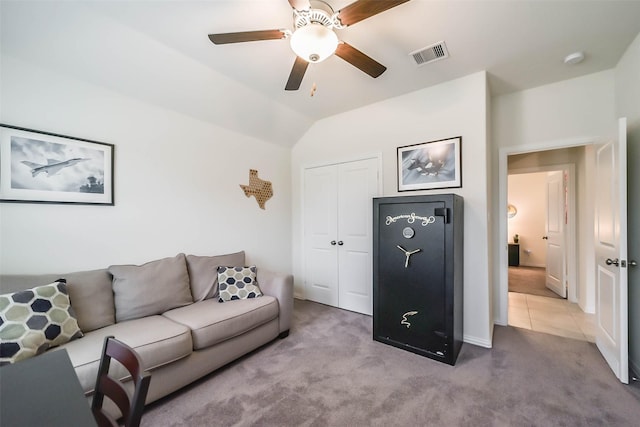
(34, 320)
(238, 283)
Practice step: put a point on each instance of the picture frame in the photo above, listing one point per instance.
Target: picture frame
(430, 165)
(45, 167)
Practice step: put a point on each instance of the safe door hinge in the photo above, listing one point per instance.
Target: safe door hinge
(443, 212)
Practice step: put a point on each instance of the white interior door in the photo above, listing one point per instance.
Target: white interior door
(338, 215)
(611, 253)
(555, 234)
(358, 184)
(320, 230)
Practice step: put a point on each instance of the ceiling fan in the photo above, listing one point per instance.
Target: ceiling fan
(313, 38)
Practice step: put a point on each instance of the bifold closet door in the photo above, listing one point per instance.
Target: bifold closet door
(320, 230)
(338, 234)
(357, 186)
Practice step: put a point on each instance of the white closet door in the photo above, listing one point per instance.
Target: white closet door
(358, 184)
(338, 212)
(320, 230)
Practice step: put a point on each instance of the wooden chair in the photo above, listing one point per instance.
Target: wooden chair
(130, 408)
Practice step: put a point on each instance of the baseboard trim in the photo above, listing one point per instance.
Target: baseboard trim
(477, 341)
(499, 322)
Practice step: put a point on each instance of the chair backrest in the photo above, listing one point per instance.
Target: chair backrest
(130, 408)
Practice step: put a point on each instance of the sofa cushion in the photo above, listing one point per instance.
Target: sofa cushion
(90, 293)
(33, 320)
(151, 288)
(211, 322)
(91, 297)
(238, 283)
(157, 340)
(203, 273)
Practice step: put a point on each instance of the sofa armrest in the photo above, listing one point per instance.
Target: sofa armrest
(279, 286)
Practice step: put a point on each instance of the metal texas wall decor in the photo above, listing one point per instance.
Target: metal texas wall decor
(260, 189)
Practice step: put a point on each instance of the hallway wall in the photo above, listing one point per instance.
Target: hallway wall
(528, 193)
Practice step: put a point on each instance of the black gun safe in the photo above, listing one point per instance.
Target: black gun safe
(417, 274)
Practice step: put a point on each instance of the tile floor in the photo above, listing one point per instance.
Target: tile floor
(550, 315)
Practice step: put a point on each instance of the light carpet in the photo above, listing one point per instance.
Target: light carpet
(529, 280)
(329, 372)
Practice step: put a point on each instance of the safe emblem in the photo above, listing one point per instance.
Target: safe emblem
(404, 318)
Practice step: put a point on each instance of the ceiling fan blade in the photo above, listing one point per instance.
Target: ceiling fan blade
(246, 36)
(363, 9)
(300, 4)
(297, 73)
(359, 60)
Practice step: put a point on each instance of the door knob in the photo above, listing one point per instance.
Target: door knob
(633, 263)
(610, 261)
(340, 242)
(545, 238)
(333, 243)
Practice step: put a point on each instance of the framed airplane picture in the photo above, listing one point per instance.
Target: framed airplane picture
(430, 165)
(44, 167)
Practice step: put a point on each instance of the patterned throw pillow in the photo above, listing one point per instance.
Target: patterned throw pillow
(34, 320)
(238, 283)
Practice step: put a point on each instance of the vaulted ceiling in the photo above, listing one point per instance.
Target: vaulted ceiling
(159, 52)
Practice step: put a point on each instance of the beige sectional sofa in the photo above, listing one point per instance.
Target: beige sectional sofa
(169, 311)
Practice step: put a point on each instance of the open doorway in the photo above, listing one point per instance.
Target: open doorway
(541, 231)
(601, 237)
(542, 267)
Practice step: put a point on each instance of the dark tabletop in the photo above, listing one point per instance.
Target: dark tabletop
(43, 390)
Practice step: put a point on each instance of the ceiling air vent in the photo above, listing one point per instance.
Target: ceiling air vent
(428, 54)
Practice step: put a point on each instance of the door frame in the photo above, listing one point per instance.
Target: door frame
(376, 155)
(570, 236)
(501, 313)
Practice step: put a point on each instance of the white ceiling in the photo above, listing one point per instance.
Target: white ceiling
(158, 51)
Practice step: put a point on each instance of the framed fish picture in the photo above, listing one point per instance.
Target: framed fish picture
(44, 167)
(430, 165)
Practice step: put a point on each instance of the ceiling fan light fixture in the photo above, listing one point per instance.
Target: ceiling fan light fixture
(314, 42)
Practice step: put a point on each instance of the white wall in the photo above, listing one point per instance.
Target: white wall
(563, 114)
(447, 110)
(527, 192)
(176, 183)
(583, 106)
(627, 74)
